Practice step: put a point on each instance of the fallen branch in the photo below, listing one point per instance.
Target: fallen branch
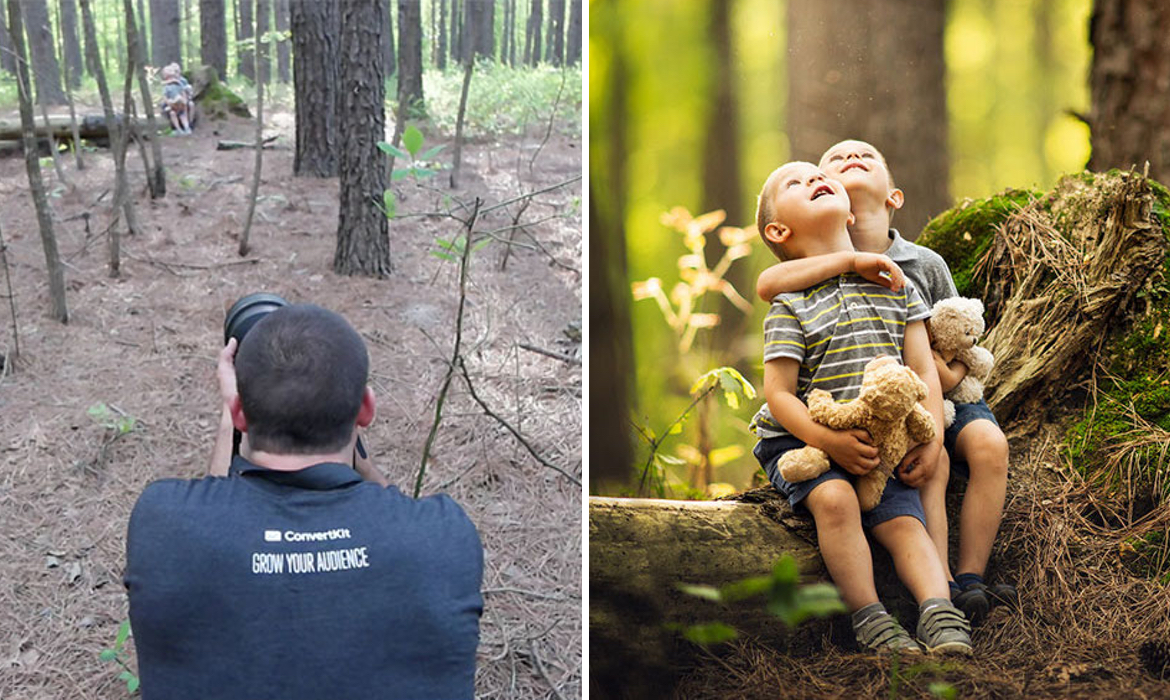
(543, 673)
(237, 145)
(550, 353)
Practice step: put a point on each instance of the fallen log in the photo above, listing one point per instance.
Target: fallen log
(236, 145)
(90, 127)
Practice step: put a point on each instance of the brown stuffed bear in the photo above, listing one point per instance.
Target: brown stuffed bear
(955, 326)
(887, 407)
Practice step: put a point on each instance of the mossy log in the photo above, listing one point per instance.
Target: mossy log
(215, 99)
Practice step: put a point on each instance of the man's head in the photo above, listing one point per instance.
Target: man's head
(801, 212)
(301, 373)
(866, 175)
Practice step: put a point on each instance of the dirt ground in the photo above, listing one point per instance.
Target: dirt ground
(145, 345)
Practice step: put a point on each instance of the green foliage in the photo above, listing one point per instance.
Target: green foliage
(787, 600)
(452, 250)
(730, 381)
(119, 654)
(504, 100)
(119, 423)
(419, 162)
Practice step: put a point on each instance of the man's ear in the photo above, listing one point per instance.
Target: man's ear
(368, 409)
(239, 422)
(851, 220)
(777, 232)
(895, 199)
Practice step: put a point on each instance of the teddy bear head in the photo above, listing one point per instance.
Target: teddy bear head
(956, 324)
(890, 389)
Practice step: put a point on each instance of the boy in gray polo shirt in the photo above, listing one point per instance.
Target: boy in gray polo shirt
(974, 443)
(823, 337)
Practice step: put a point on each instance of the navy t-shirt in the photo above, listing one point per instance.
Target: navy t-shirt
(310, 584)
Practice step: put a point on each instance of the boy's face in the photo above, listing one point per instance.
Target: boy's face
(862, 169)
(805, 202)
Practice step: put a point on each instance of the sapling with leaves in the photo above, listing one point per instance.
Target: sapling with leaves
(119, 655)
(419, 164)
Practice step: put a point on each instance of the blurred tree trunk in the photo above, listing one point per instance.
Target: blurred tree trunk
(1129, 80)
(441, 51)
(316, 36)
(532, 43)
(410, 85)
(575, 33)
(33, 167)
(144, 36)
(213, 36)
(263, 20)
(261, 56)
(883, 84)
(457, 31)
(7, 57)
(477, 29)
(487, 30)
(165, 39)
(246, 64)
(555, 41)
(46, 70)
(71, 48)
(363, 242)
(283, 53)
(388, 60)
(157, 175)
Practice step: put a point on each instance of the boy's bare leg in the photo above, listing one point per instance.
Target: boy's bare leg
(842, 542)
(983, 445)
(933, 494)
(915, 557)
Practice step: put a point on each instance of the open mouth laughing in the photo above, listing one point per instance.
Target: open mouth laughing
(821, 191)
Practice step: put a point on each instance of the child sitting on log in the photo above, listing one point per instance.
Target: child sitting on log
(176, 103)
(974, 443)
(823, 337)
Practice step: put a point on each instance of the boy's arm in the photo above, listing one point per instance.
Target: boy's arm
(920, 462)
(796, 275)
(949, 374)
(851, 449)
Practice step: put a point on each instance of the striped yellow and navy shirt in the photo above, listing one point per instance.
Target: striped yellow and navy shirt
(833, 329)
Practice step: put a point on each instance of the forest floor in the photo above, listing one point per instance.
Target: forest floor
(145, 344)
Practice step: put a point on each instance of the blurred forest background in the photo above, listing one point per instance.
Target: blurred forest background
(692, 106)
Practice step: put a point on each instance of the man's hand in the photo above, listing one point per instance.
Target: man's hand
(879, 269)
(364, 466)
(852, 450)
(225, 372)
(225, 375)
(919, 463)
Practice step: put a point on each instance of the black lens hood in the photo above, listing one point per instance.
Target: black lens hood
(247, 311)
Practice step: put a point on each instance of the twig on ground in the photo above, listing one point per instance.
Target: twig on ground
(540, 668)
(550, 353)
(194, 266)
(521, 591)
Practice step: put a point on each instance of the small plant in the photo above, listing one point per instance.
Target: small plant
(452, 250)
(119, 655)
(419, 164)
(118, 422)
(787, 600)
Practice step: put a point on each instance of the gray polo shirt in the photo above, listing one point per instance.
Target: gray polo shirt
(924, 267)
(833, 329)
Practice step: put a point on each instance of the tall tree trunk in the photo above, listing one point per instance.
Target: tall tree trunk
(457, 11)
(1130, 116)
(244, 26)
(486, 43)
(263, 20)
(213, 36)
(389, 62)
(846, 89)
(316, 36)
(144, 36)
(261, 55)
(157, 178)
(44, 59)
(69, 78)
(441, 52)
(410, 86)
(282, 48)
(504, 36)
(32, 165)
(363, 242)
(71, 49)
(576, 33)
(7, 57)
(555, 41)
(532, 42)
(165, 39)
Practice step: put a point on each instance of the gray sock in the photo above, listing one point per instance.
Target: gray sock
(867, 612)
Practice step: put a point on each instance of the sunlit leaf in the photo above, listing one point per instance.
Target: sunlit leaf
(107, 655)
(123, 633)
(432, 152)
(389, 204)
(710, 633)
(393, 150)
(412, 138)
(675, 429)
(132, 684)
(747, 588)
(724, 455)
(785, 570)
(707, 592)
(671, 460)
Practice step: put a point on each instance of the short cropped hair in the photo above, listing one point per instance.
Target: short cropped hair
(301, 372)
(766, 212)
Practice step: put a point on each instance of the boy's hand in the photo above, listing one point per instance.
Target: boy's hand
(852, 450)
(879, 269)
(919, 464)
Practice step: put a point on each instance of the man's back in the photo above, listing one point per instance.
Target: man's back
(306, 584)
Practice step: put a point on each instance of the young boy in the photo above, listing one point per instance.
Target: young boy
(823, 337)
(176, 99)
(974, 443)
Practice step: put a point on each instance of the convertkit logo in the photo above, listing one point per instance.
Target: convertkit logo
(272, 536)
(341, 533)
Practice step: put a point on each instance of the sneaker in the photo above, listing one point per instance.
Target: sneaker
(879, 632)
(974, 603)
(1003, 594)
(942, 629)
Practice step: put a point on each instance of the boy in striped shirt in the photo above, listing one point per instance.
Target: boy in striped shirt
(821, 338)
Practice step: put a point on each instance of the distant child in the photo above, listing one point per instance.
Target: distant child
(176, 102)
(822, 337)
(975, 445)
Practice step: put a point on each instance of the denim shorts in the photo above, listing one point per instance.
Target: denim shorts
(898, 499)
(965, 413)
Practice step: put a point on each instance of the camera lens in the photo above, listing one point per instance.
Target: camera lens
(247, 311)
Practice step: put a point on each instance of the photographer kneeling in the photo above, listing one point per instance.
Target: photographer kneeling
(293, 577)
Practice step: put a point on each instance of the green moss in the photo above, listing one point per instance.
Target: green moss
(217, 101)
(961, 235)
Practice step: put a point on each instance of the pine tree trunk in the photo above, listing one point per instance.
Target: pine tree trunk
(7, 57)
(213, 36)
(441, 53)
(486, 43)
(32, 165)
(457, 11)
(316, 36)
(532, 42)
(46, 70)
(244, 27)
(389, 61)
(555, 41)
(363, 242)
(846, 89)
(504, 35)
(1129, 120)
(69, 78)
(282, 47)
(410, 86)
(71, 48)
(165, 39)
(158, 176)
(261, 55)
(576, 33)
(263, 21)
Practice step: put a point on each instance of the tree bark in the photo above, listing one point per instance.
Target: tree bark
(7, 57)
(244, 26)
(532, 43)
(441, 52)
(263, 20)
(388, 51)
(555, 41)
(36, 184)
(410, 86)
(165, 38)
(316, 29)
(213, 36)
(261, 55)
(486, 43)
(576, 33)
(1129, 119)
(71, 49)
(363, 242)
(70, 77)
(158, 176)
(846, 89)
(282, 47)
(46, 70)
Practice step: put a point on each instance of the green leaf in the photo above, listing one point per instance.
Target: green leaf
(446, 245)
(443, 256)
(707, 592)
(747, 588)
(420, 172)
(400, 174)
(710, 633)
(724, 455)
(942, 689)
(412, 138)
(98, 411)
(107, 655)
(819, 599)
(482, 244)
(132, 684)
(389, 204)
(675, 429)
(125, 676)
(785, 571)
(393, 150)
(672, 460)
(432, 152)
(123, 633)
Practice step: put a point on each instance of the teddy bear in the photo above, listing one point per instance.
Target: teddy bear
(887, 407)
(955, 326)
